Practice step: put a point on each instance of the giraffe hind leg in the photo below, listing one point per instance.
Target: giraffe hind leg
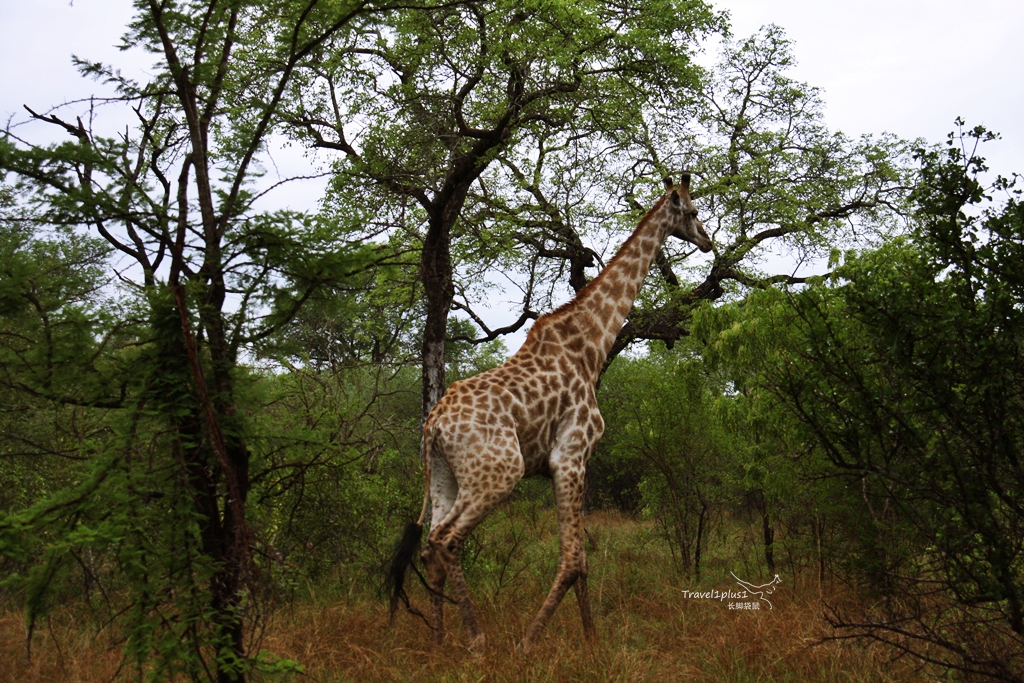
(436, 575)
(470, 621)
(472, 504)
(583, 598)
(444, 547)
(443, 493)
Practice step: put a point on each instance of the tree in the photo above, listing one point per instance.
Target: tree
(904, 371)
(768, 174)
(421, 107)
(50, 321)
(203, 275)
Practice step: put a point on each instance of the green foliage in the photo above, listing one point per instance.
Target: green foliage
(665, 426)
(903, 376)
(775, 171)
(465, 359)
(371, 318)
(334, 465)
(49, 293)
(462, 130)
(138, 383)
(431, 85)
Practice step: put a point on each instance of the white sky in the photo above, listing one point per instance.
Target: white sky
(37, 39)
(903, 66)
(908, 67)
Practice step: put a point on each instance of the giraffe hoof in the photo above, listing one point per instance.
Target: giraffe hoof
(476, 645)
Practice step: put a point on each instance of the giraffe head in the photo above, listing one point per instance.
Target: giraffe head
(682, 214)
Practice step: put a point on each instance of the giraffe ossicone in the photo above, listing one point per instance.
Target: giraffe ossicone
(534, 414)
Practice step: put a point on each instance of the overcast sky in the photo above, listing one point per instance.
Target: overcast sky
(903, 66)
(908, 67)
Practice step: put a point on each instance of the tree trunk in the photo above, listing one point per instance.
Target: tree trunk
(224, 529)
(439, 292)
(769, 535)
(700, 539)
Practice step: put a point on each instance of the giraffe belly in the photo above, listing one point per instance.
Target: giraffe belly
(537, 464)
(537, 444)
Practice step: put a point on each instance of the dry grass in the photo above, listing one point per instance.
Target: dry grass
(64, 648)
(647, 630)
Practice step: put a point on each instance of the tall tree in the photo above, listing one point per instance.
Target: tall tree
(769, 176)
(904, 373)
(205, 274)
(421, 107)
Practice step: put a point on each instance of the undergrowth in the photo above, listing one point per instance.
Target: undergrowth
(649, 628)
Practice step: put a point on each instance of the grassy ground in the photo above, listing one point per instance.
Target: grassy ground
(648, 630)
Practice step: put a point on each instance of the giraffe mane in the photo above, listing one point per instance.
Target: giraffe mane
(587, 289)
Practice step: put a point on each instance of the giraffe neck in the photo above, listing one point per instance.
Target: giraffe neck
(586, 327)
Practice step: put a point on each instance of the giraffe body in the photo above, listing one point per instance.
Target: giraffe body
(536, 414)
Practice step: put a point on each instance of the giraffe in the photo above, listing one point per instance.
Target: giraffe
(536, 414)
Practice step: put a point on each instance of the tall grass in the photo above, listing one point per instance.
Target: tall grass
(648, 630)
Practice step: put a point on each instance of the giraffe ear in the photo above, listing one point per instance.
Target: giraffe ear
(668, 183)
(675, 197)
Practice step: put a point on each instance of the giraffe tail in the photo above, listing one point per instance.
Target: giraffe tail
(403, 556)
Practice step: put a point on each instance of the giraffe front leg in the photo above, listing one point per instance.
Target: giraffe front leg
(583, 598)
(572, 563)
